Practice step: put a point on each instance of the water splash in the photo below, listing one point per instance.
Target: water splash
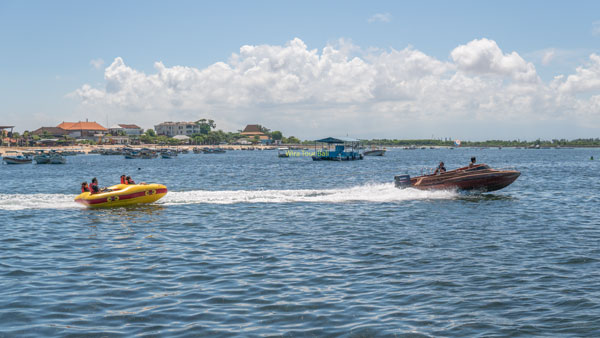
(37, 201)
(377, 193)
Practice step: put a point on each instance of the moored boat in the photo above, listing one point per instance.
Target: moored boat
(213, 150)
(345, 149)
(477, 178)
(57, 158)
(283, 152)
(17, 158)
(374, 152)
(122, 195)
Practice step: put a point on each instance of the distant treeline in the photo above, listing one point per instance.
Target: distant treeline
(580, 142)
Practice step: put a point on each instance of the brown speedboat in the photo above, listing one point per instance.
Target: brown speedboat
(479, 177)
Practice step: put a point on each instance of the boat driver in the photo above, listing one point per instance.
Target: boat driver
(440, 169)
(473, 160)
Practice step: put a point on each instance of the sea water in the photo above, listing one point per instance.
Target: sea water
(246, 243)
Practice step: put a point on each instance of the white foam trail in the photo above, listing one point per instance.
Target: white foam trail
(37, 201)
(363, 193)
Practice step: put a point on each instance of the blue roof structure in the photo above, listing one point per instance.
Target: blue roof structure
(333, 140)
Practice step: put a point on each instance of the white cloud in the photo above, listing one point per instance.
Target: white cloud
(380, 17)
(485, 57)
(548, 57)
(311, 93)
(585, 79)
(97, 63)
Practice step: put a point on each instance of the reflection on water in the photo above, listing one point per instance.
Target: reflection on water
(485, 197)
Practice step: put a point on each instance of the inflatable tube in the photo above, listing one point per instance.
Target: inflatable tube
(122, 194)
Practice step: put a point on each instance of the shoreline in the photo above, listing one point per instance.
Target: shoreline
(88, 148)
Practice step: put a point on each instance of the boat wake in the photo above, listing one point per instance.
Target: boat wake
(377, 193)
(364, 193)
(37, 201)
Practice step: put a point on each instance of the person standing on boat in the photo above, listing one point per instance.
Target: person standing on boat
(440, 169)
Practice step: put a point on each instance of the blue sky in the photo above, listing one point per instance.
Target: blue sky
(49, 50)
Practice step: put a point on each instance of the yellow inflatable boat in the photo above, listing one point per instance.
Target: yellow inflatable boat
(123, 194)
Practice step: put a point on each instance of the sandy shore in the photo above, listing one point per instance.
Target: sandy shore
(89, 148)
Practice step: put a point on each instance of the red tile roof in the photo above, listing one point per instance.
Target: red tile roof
(81, 126)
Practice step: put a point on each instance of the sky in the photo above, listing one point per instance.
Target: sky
(470, 70)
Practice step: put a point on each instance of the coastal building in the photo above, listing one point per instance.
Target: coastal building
(254, 130)
(86, 130)
(6, 136)
(127, 129)
(171, 129)
(50, 131)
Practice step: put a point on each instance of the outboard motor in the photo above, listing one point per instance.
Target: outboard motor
(402, 181)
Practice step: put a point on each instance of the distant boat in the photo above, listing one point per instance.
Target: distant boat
(345, 149)
(213, 151)
(57, 158)
(374, 152)
(17, 158)
(283, 152)
(168, 153)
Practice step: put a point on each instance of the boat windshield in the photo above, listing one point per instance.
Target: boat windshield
(479, 167)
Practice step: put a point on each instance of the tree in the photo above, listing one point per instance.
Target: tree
(276, 135)
(292, 139)
(206, 126)
(264, 129)
(150, 132)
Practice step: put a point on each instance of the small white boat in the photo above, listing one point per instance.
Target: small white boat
(283, 152)
(42, 159)
(168, 153)
(57, 159)
(374, 152)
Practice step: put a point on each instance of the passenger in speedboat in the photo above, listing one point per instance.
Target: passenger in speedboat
(473, 160)
(129, 180)
(123, 179)
(440, 169)
(84, 187)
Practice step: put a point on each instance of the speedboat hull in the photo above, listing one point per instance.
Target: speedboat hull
(479, 178)
(123, 195)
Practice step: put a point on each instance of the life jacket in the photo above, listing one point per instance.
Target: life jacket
(94, 188)
(85, 189)
(123, 180)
